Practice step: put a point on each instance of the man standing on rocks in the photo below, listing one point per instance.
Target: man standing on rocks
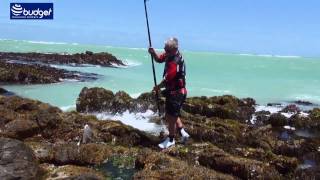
(174, 82)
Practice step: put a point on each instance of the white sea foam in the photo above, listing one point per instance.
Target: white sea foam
(136, 120)
(132, 63)
(307, 164)
(91, 65)
(135, 95)
(145, 49)
(289, 128)
(55, 66)
(260, 55)
(271, 109)
(70, 80)
(18, 62)
(216, 90)
(117, 65)
(83, 65)
(270, 55)
(128, 63)
(44, 42)
(253, 119)
(264, 55)
(288, 114)
(275, 109)
(246, 54)
(138, 48)
(303, 114)
(281, 56)
(68, 108)
(40, 42)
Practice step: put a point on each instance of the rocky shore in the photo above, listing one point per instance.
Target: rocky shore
(34, 68)
(102, 59)
(39, 141)
(17, 73)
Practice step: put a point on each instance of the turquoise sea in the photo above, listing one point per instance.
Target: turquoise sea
(266, 78)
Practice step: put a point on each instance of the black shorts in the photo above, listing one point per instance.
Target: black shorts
(174, 103)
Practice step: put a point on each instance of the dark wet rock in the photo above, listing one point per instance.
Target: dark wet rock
(238, 139)
(265, 138)
(13, 73)
(3, 91)
(314, 121)
(260, 137)
(148, 101)
(315, 114)
(145, 101)
(102, 58)
(22, 118)
(108, 131)
(308, 173)
(262, 117)
(283, 164)
(309, 122)
(305, 103)
(71, 172)
(102, 100)
(212, 157)
(300, 121)
(28, 119)
(21, 128)
(160, 166)
(226, 107)
(230, 135)
(84, 154)
(222, 132)
(17, 161)
(274, 104)
(94, 100)
(241, 167)
(291, 108)
(278, 120)
(218, 148)
(289, 148)
(90, 53)
(121, 102)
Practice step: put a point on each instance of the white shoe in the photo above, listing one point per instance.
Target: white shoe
(184, 136)
(166, 143)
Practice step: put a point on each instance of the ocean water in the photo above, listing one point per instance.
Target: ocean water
(266, 78)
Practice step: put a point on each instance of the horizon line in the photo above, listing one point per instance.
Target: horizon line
(145, 48)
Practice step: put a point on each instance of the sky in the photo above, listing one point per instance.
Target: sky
(278, 27)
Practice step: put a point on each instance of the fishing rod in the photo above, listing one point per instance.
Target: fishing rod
(152, 60)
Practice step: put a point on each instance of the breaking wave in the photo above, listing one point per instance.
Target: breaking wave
(140, 121)
(270, 55)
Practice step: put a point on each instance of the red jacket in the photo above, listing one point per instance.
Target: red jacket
(174, 72)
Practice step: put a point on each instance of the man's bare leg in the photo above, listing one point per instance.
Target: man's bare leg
(181, 130)
(179, 123)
